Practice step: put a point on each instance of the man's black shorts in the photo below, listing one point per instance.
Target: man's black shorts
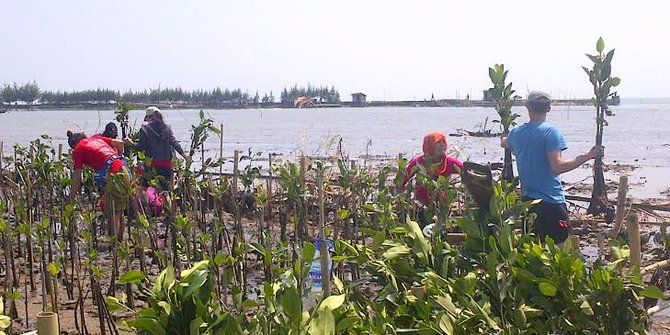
(552, 220)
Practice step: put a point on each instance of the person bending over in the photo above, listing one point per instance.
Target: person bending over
(112, 176)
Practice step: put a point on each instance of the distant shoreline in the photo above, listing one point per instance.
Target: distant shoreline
(238, 105)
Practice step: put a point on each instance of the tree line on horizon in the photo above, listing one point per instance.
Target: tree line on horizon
(31, 93)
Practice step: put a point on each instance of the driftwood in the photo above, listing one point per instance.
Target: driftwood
(643, 206)
(656, 266)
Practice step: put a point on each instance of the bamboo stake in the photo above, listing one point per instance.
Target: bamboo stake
(269, 183)
(634, 240)
(648, 207)
(601, 246)
(656, 266)
(18, 232)
(236, 173)
(47, 323)
(221, 151)
(574, 239)
(323, 250)
(654, 223)
(238, 223)
(620, 205)
(301, 228)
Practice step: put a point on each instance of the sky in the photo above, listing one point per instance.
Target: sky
(388, 49)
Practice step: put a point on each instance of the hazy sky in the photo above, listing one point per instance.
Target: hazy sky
(385, 48)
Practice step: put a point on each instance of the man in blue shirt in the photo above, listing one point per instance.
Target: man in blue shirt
(537, 146)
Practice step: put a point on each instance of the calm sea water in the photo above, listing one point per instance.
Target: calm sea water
(638, 134)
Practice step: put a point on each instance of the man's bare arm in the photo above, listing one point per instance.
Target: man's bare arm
(561, 165)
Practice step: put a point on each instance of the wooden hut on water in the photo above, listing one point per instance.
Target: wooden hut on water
(358, 100)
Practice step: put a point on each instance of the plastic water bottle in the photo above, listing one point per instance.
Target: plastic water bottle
(314, 274)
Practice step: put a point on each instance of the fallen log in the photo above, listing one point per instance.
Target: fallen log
(648, 207)
(656, 266)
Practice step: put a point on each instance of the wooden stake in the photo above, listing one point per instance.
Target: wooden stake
(302, 215)
(236, 173)
(323, 250)
(620, 205)
(47, 323)
(574, 239)
(634, 240)
(656, 266)
(221, 152)
(601, 246)
(269, 183)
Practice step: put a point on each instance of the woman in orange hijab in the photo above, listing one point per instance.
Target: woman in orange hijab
(434, 160)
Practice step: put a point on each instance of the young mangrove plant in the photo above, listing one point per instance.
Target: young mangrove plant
(503, 96)
(600, 76)
(122, 115)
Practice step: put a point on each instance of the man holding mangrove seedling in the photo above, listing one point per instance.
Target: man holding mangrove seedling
(434, 163)
(112, 174)
(537, 146)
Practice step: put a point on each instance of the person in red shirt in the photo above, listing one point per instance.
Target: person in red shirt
(434, 162)
(102, 154)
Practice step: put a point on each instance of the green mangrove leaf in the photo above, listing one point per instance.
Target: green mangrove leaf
(586, 308)
(600, 45)
(338, 283)
(346, 323)
(396, 252)
(5, 321)
(197, 266)
(113, 304)
(333, 302)
(547, 289)
(151, 326)
(195, 325)
(290, 302)
(323, 324)
(132, 277)
(447, 304)
(652, 292)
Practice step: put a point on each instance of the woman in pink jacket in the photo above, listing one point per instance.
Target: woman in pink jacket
(434, 161)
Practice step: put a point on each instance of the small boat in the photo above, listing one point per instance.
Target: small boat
(482, 133)
(486, 133)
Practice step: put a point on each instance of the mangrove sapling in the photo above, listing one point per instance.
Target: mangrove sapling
(125, 254)
(600, 77)
(503, 97)
(113, 241)
(122, 115)
(68, 219)
(41, 236)
(10, 272)
(291, 186)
